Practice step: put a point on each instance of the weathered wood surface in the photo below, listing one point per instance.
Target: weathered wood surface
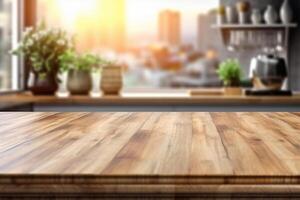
(154, 152)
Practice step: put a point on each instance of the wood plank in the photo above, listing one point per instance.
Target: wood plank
(136, 151)
(208, 152)
(150, 143)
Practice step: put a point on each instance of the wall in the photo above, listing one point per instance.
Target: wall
(294, 49)
(294, 57)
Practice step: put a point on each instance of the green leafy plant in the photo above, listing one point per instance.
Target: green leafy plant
(71, 60)
(230, 73)
(42, 47)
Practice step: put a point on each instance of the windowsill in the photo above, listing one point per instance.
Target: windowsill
(149, 98)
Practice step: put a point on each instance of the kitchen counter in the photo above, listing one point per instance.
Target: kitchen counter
(181, 97)
(150, 154)
(167, 101)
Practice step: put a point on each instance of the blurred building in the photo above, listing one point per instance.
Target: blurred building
(202, 37)
(169, 23)
(208, 38)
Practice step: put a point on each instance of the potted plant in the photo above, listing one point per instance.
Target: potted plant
(243, 8)
(79, 68)
(41, 48)
(221, 12)
(230, 73)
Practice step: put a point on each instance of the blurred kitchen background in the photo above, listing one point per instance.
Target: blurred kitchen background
(159, 43)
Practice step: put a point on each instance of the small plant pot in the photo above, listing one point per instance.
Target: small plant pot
(111, 81)
(233, 91)
(79, 82)
(46, 85)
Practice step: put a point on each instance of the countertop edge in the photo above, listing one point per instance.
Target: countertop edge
(148, 179)
(149, 101)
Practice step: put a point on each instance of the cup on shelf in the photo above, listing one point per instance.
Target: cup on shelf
(221, 12)
(256, 17)
(243, 17)
(221, 19)
(231, 15)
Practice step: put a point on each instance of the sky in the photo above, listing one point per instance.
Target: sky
(142, 15)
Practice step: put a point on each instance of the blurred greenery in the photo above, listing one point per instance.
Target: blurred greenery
(230, 72)
(42, 48)
(71, 60)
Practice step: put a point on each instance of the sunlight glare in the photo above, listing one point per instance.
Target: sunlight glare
(72, 10)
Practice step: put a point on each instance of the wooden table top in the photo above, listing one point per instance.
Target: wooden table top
(118, 153)
(197, 144)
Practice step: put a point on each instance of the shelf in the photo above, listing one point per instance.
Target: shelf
(254, 26)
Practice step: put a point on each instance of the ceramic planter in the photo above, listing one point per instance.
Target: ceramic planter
(271, 16)
(111, 81)
(43, 85)
(79, 82)
(286, 13)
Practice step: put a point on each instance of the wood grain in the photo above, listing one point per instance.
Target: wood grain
(136, 151)
(155, 99)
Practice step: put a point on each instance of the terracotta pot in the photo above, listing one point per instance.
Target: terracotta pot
(79, 82)
(111, 81)
(233, 91)
(43, 85)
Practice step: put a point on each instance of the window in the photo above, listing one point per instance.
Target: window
(9, 33)
(166, 43)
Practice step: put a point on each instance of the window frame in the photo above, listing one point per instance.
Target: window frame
(23, 15)
(28, 12)
(16, 62)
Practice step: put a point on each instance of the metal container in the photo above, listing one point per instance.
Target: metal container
(268, 72)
